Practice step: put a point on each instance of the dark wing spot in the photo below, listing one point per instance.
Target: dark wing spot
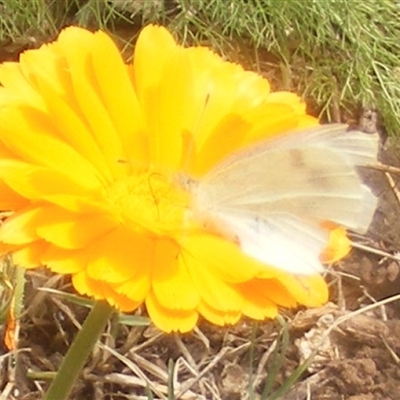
(317, 178)
(296, 158)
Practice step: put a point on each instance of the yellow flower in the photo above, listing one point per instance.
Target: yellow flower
(89, 151)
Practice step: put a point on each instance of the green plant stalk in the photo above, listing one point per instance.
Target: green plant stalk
(278, 358)
(79, 351)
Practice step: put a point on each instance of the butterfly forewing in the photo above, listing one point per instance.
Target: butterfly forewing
(308, 177)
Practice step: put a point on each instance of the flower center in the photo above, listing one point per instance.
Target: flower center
(149, 201)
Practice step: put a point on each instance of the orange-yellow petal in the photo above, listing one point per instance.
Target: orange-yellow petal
(119, 255)
(35, 182)
(65, 230)
(10, 199)
(170, 320)
(214, 291)
(86, 91)
(29, 135)
(30, 255)
(218, 316)
(64, 261)
(339, 245)
(135, 289)
(262, 297)
(119, 97)
(101, 291)
(310, 291)
(222, 257)
(172, 285)
(16, 88)
(20, 228)
(153, 47)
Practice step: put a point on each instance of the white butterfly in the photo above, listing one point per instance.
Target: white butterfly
(272, 197)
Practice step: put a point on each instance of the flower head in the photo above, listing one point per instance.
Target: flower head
(90, 149)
